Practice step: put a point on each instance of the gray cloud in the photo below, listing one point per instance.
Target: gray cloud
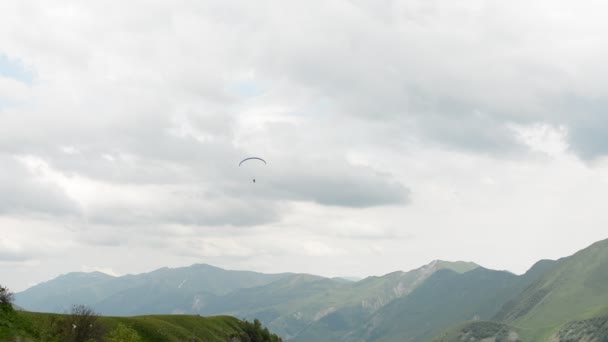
(438, 74)
(587, 122)
(143, 115)
(431, 67)
(13, 256)
(188, 209)
(336, 183)
(21, 193)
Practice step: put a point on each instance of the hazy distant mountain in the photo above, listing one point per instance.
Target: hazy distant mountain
(58, 294)
(566, 300)
(167, 290)
(291, 305)
(354, 279)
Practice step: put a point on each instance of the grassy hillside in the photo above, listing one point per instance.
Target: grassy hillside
(575, 289)
(30, 326)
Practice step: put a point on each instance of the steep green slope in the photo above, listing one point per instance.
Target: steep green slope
(576, 288)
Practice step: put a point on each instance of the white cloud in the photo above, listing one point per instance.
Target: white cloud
(552, 141)
(12, 90)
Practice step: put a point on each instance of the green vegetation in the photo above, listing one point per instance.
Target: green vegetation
(32, 326)
(480, 331)
(84, 325)
(123, 333)
(6, 297)
(11, 324)
(593, 329)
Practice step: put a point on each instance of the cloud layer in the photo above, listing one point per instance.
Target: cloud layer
(391, 130)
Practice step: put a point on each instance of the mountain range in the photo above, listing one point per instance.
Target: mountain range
(555, 300)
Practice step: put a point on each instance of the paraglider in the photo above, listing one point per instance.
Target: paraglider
(251, 159)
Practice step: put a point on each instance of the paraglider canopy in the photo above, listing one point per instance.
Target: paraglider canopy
(252, 159)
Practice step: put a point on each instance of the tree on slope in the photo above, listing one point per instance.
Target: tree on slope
(6, 297)
(81, 325)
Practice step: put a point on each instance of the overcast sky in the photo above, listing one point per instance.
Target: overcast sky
(396, 132)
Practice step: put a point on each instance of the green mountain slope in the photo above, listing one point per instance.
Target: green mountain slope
(350, 307)
(568, 302)
(576, 288)
(445, 299)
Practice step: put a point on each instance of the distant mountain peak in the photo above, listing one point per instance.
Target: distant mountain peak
(204, 265)
(351, 279)
(456, 266)
(87, 275)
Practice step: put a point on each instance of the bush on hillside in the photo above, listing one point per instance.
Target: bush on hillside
(123, 333)
(6, 297)
(80, 325)
(255, 333)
